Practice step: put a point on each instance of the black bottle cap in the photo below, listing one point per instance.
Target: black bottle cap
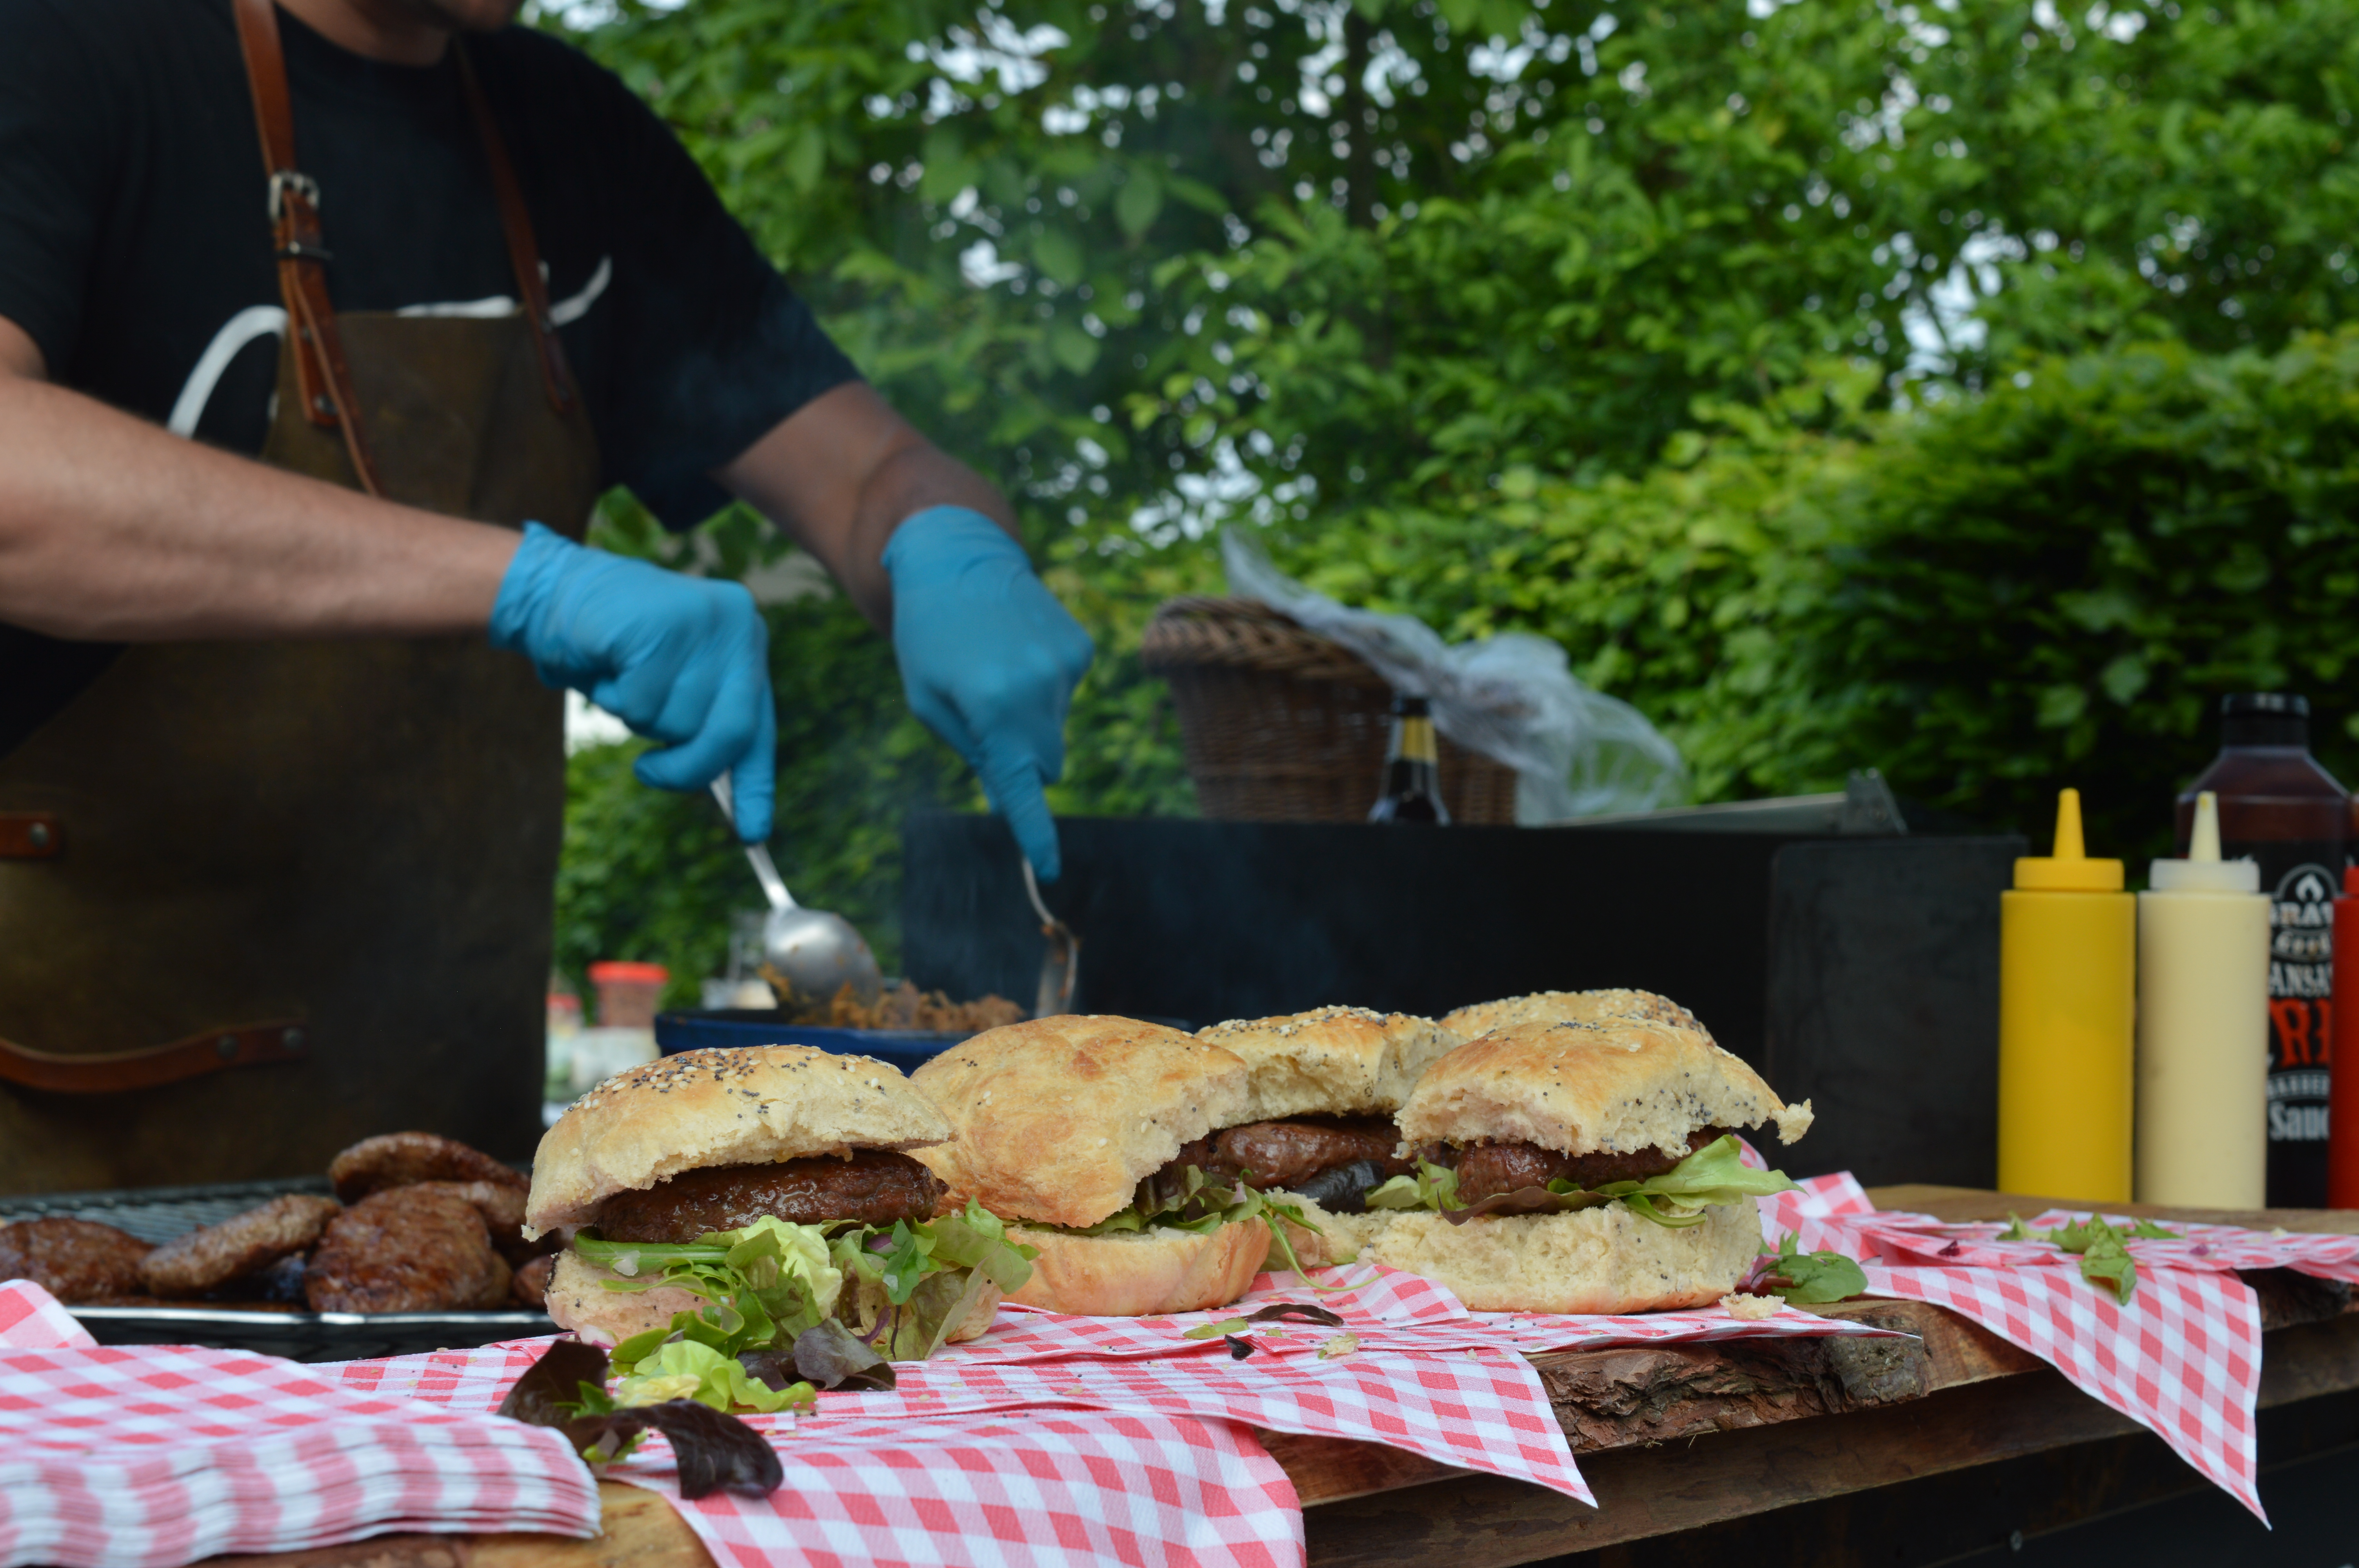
(2264, 719)
(1408, 707)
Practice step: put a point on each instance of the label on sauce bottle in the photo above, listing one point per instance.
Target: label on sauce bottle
(2302, 879)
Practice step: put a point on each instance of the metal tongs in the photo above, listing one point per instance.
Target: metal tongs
(1060, 963)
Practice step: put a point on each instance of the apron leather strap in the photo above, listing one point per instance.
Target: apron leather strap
(250, 1045)
(524, 253)
(322, 371)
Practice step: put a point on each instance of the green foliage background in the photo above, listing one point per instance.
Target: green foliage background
(1957, 389)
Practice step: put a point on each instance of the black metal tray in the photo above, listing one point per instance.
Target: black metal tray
(159, 1213)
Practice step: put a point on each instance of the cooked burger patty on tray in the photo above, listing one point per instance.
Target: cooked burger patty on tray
(202, 1260)
(73, 1260)
(401, 1159)
(1487, 1169)
(414, 1249)
(874, 1187)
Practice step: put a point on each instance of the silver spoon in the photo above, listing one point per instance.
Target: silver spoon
(1060, 963)
(819, 952)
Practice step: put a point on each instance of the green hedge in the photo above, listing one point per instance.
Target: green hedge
(2049, 584)
(2053, 584)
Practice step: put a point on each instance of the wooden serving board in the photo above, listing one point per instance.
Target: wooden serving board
(1952, 1396)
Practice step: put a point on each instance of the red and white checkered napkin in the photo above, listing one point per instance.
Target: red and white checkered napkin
(2219, 1247)
(1474, 1409)
(1004, 1475)
(1373, 1300)
(2183, 1359)
(154, 1455)
(1133, 1442)
(32, 1319)
(1383, 1308)
(1031, 1486)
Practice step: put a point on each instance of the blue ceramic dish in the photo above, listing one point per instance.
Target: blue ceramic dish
(699, 1029)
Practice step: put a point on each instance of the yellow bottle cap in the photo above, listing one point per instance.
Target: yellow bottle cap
(2070, 870)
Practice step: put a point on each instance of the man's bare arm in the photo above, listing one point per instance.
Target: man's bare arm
(839, 473)
(113, 528)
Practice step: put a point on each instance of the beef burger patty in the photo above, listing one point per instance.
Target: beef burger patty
(1485, 1170)
(872, 1187)
(1290, 1152)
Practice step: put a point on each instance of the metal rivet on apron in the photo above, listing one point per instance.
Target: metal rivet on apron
(324, 404)
(226, 1045)
(292, 1039)
(39, 834)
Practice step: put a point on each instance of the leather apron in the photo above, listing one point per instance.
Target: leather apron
(261, 900)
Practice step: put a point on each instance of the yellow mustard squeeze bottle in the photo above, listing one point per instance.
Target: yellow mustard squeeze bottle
(2203, 1027)
(2067, 1006)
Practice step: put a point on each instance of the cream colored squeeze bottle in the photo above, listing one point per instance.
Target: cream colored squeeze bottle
(2203, 1027)
(2067, 999)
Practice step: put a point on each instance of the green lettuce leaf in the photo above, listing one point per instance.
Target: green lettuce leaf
(686, 1369)
(1434, 1187)
(1808, 1278)
(714, 1451)
(1194, 1201)
(764, 1286)
(2104, 1254)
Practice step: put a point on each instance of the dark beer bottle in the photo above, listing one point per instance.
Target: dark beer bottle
(2279, 808)
(1412, 790)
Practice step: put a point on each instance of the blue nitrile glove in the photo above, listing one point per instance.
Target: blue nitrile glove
(683, 660)
(989, 659)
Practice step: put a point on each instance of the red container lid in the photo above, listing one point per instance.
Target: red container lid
(619, 970)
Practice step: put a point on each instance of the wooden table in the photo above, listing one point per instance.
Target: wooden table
(1954, 1397)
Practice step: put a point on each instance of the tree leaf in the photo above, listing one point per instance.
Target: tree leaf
(808, 159)
(1058, 254)
(1073, 349)
(1138, 200)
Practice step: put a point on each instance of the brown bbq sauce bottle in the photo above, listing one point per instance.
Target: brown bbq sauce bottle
(2280, 809)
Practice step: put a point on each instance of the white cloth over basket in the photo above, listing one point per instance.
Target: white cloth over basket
(1576, 752)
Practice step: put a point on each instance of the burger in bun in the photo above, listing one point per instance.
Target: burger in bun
(718, 1205)
(1087, 1135)
(1583, 1167)
(1322, 1089)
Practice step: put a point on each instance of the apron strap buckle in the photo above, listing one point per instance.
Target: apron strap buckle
(285, 180)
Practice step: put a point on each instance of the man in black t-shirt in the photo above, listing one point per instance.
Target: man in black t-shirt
(144, 355)
(135, 269)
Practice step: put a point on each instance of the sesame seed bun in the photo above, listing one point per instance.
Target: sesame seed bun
(699, 1108)
(1145, 1273)
(1606, 1260)
(1339, 1238)
(1570, 1007)
(1340, 1061)
(1059, 1118)
(1582, 1088)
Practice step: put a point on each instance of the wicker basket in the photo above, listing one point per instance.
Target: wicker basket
(1281, 725)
